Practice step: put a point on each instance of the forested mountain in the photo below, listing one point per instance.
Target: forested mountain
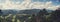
(29, 11)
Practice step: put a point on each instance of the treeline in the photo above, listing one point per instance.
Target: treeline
(44, 16)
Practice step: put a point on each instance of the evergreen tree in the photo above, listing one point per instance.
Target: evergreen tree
(41, 15)
(43, 12)
(33, 19)
(56, 15)
(0, 12)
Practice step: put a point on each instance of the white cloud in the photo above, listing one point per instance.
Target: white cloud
(27, 3)
(47, 5)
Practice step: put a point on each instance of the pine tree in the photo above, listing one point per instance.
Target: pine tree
(33, 19)
(41, 15)
(0, 12)
(56, 15)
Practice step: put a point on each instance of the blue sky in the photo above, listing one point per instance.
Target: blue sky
(54, 1)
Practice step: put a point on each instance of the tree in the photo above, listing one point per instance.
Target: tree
(42, 14)
(0, 12)
(56, 15)
(33, 19)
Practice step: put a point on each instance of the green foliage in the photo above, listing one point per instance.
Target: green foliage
(43, 16)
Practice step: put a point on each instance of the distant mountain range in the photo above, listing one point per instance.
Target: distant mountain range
(28, 11)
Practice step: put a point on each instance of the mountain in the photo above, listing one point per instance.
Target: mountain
(28, 11)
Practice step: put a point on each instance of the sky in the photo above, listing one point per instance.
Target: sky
(29, 4)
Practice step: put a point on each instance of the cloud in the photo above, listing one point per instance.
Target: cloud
(10, 5)
(27, 4)
(42, 5)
